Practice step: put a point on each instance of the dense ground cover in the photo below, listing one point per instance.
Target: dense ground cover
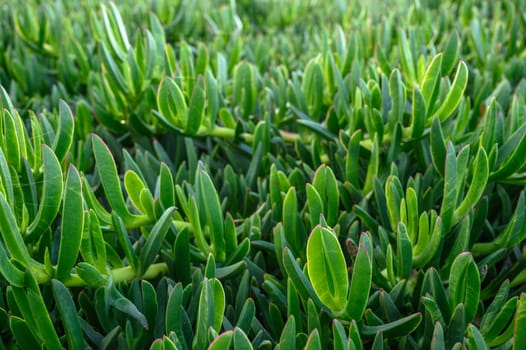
(262, 174)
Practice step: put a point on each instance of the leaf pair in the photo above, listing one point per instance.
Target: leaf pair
(328, 274)
(175, 113)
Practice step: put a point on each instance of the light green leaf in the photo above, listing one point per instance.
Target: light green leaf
(196, 108)
(360, 282)
(155, 240)
(72, 224)
(455, 94)
(464, 284)
(51, 194)
(327, 268)
(69, 315)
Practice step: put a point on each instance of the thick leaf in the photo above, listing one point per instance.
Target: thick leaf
(72, 224)
(431, 83)
(172, 104)
(69, 315)
(360, 282)
(211, 211)
(313, 342)
(455, 94)
(327, 268)
(398, 328)
(287, 339)
(65, 132)
(477, 187)
(11, 236)
(418, 113)
(241, 341)
(222, 342)
(325, 183)
(120, 302)
(300, 281)
(51, 194)
(23, 334)
(109, 178)
(464, 284)
(196, 108)
(519, 336)
(155, 240)
(32, 305)
(450, 189)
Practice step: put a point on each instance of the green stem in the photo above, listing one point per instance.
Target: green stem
(122, 274)
(127, 273)
(228, 133)
(180, 225)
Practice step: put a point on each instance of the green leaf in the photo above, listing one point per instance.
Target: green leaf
(315, 205)
(398, 328)
(68, 315)
(464, 284)
(340, 337)
(397, 93)
(114, 74)
(451, 53)
(241, 341)
(124, 241)
(115, 299)
(431, 83)
(32, 306)
(300, 281)
(13, 275)
(182, 262)
(109, 178)
(134, 186)
(115, 30)
(312, 87)
(407, 58)
(89, 274)
(211, 211)
(246, 316)
(222, 342)
(325, 183)
(23, 334)
(475, 339)
(438, 147)
(455, 93)
(404, 252)
(327, 268)
(65, 131)
(418, 113)
(51, 194)
(155, 240)
(210, 312)
(72, 224)
(196, 108)
(514, 162)
(519, 336)
(360, 282)
(477, 187)
(287, 339)
(245, 93)
(212, 94)
(438, 342)
(450, 189)
(166, 187)
(11, 237)
(313, 342)
(172, 104)
(456, 327)
(292, 226)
